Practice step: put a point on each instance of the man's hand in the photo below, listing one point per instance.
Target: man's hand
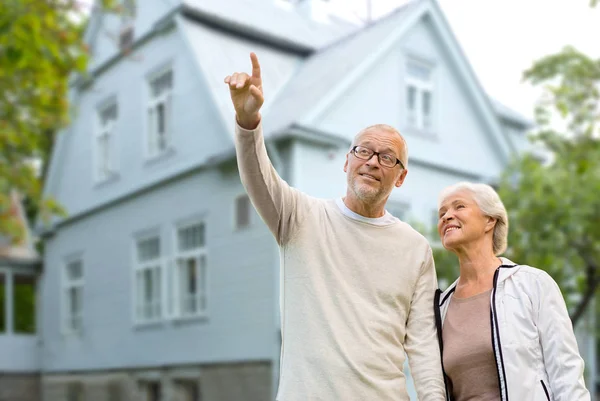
(247, 95)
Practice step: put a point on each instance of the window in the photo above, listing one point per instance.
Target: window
(419, 95)
(187, 390)
(115, 391)
(73, 296)
(107, 116)
(190, 274)
(148, 280)
(160, 113)
(151, 391)
(243, 208)
(75, 392)
(24, 304)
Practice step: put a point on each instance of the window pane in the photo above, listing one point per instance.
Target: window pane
(191, 273)
(24, 304)
(202, 283)
(151, 132)
(103, 155)
(108, 114)
(2, 303)
(75, 392)
(187, 390)
(191, 237)
(162, 84)
(75, 270)
(160, 112)
(148, 287)
(411, 98)
(426, 105)
(419, 71)
(148, 249)
(242, 211)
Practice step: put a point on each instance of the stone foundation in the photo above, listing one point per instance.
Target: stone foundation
(20, 387)
(223, 382)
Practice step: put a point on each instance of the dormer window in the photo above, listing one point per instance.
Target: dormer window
(419, 96)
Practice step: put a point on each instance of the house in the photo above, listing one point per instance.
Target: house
(163, 283)
(20, 268)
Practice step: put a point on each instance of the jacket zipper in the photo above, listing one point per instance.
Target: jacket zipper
(496, 344)
(545, 390)
(438, 325)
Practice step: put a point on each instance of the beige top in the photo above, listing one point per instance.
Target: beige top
(468, 354)
(356, 293)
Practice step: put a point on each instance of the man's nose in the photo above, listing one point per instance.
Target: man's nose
(371, 161)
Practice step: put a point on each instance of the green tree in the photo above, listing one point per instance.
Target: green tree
(41, 48)
(554, 204)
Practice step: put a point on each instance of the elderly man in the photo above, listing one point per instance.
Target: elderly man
(357, 283)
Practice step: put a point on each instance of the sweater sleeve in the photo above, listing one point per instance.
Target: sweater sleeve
(280, 206)
(421, 343)
(563, 363)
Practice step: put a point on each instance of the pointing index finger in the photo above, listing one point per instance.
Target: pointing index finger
(255, 66)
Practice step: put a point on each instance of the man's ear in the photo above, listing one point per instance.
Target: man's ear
(346, 165)
(400, 179)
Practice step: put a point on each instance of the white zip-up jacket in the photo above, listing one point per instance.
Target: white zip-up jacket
(532, 336)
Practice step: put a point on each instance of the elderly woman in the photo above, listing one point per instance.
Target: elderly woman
(506, 331)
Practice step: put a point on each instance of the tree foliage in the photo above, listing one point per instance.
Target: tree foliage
(554, 204)
(41, 47)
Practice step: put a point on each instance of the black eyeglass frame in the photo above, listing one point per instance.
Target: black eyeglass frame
(353, 150)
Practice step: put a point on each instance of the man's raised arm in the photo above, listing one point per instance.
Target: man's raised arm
(279, 205)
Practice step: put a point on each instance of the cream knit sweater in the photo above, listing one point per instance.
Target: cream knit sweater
(356, 294)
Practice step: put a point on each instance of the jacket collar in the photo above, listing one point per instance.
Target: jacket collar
(508, 269)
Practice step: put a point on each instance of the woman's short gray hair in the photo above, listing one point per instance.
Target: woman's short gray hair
(490, 204)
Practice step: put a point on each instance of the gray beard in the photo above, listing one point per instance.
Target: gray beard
(368, 196)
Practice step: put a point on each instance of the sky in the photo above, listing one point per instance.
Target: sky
(502, 38)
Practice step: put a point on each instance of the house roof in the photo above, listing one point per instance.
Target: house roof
(270, 21)
(511, 115)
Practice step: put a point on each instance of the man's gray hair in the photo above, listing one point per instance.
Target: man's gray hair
(389, 128)
(490, 204)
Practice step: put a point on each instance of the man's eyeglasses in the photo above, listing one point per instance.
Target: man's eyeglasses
(385, 159)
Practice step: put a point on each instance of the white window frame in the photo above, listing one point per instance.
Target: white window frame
(155, 144)
(179, 270)
(69, 284)
(416, 119)
(140, 268)
(105, 166)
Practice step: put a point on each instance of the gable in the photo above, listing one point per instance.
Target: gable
(460, 137)
(350, 64)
